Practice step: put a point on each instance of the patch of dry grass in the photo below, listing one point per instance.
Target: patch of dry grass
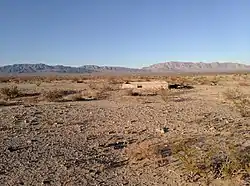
(57, 95)
(102, 86)
(148, 152)
(206, 80)
(167, 95)
(240, 100)
(10, 103)
(53, 95)
(210, 161)
(10, 92)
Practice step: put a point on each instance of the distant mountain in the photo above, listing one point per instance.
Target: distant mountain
(196, 67)
(40, 68)
(160, 67)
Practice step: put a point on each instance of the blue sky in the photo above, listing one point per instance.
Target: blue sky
(130, 33)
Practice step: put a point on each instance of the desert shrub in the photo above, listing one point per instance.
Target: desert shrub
(78, 97)
(240, 100)
(164, 93)
(148, 152)
(94, 94)
(234, 94)
(77, 80)
(129, 92)
(57, 95)
(10, 92)
(211, 162)
(105, 86)
(167, 95)
(115, 80)
(4, 79)
(38, 83)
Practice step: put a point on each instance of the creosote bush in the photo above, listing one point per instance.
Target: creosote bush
(167, 95)
(209, 162)
(57, 95)
(10, 92)
(240, 100)
(148, 152)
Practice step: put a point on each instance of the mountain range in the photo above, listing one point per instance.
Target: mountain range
(175, 67)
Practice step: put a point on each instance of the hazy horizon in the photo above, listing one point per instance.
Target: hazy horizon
(124, 33)
(125, 66)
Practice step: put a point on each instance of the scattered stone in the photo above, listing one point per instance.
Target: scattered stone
(117, 145)
(165, 129)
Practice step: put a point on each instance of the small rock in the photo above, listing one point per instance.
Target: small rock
(117, 145)
(165, 129)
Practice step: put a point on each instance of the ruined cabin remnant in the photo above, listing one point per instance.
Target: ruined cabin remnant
(145, 85)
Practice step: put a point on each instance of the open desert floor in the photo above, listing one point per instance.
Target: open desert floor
(89, 131)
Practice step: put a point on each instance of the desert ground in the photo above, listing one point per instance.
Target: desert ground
(87, 130)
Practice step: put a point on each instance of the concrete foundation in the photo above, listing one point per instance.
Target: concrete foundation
(145, 85)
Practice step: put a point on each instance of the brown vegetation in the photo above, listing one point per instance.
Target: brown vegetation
(211, 161)
(240, 100)
(10, 92)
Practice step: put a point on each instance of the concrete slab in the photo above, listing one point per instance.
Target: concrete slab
(145, 85)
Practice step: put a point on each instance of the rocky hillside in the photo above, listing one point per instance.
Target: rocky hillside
(197, 67)
(160, 67)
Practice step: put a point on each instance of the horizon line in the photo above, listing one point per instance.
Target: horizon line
(77, 66)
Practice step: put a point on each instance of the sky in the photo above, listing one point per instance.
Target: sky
(130, 33)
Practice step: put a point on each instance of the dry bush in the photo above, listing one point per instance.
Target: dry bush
(95, 94)
(57, 95)
(4, 79)
(10, 103)
(243, 106)
(115, 80)
(86, 95)
(77, 80)
(167, 95)
(148, 152)
(234, 94)
(240, 100)
(206, 80)
(103, 86)
(78, 97)
(38, 83)
(53, 95)
(10, 92)
(129, 92)
(209, 162)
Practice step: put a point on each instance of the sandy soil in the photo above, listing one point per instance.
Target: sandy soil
(88, 142)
